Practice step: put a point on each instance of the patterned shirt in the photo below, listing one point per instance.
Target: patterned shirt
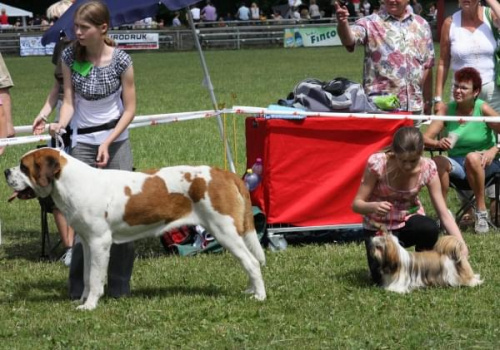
(405, 203)
(396, 55)
(101, 82)
(97, 97)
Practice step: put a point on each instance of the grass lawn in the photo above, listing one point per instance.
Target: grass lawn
(319, 296)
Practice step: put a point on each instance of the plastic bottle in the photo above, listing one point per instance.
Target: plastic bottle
(257, 167)
(298, 39)
(251, 179)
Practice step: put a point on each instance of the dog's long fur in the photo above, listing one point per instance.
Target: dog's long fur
(403, 271)
(114, 206)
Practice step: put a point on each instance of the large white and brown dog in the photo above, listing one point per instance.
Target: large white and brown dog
(402, 271)
(115, 206)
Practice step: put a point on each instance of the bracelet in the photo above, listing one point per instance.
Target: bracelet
(43, 117)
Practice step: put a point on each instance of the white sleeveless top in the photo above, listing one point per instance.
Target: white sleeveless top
(93, 113)
(472, 49)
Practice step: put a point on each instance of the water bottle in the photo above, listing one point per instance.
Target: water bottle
(298, 39)
(257, 167)
(251, 179)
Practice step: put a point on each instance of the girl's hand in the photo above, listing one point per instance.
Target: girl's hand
(55, 129)
(382, 208)
(39, 125)
(102, 155)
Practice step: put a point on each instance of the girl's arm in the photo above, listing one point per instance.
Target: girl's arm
(434, 187)
(50, 103)
(67, 108)
(361, 205)
(129, 104)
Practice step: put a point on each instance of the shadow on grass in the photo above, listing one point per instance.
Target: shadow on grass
(324, 236)
(169, 291)
(28, 246)
(357, 278)
(42, 290)
(56, 291)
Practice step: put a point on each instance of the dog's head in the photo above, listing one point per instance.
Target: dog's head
(34, 175)
(385, 250)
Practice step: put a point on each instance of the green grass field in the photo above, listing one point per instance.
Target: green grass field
(319, 296)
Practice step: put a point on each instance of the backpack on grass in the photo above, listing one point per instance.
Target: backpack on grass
(192, 240)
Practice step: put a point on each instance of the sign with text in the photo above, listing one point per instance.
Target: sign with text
(312, 37)
(32, 46)
(136, 41)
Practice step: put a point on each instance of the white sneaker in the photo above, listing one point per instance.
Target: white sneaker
(66, 258)
(481, 225)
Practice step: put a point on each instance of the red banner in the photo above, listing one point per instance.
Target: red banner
(313, 167)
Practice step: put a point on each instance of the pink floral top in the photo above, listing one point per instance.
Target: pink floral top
(396, 55)
(405, 203)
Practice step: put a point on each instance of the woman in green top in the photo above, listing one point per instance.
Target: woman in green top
(472, 149)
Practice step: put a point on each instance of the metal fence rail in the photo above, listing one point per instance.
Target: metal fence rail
(233, 35)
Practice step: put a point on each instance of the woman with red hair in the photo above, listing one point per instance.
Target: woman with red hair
(471, 146)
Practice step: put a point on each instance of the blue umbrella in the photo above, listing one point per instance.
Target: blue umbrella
(122, 12)
(129, 11)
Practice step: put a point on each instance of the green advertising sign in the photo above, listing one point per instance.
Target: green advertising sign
(311, 37)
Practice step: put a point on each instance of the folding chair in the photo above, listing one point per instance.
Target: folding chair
(461, 186)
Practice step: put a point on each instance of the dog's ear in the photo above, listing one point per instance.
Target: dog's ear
(47, 170)
(391, 256)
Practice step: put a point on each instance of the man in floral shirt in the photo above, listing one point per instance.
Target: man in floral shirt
(399, 53)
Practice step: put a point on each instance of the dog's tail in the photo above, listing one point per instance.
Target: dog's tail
(454, 249)
(450, 246)
(250, 234)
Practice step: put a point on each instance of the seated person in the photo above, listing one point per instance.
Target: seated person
(473, 155)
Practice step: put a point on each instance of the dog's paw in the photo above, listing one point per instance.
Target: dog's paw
(259, 296)
(476, 281)
(398, 289)
(87, 307)
(90, 304)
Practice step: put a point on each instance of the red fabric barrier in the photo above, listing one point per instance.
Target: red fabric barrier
(313, 167)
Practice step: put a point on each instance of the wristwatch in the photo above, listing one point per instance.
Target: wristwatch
(437, 99)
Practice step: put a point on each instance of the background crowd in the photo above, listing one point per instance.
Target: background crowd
(213, 12)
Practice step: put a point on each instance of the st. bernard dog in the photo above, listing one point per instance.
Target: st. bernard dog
(402, 271)
(115, 206)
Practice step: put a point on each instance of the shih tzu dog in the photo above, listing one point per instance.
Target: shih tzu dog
(403, 271)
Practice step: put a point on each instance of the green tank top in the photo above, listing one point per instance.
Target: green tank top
(472, 136)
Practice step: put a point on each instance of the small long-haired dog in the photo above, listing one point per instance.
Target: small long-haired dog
(403, 271)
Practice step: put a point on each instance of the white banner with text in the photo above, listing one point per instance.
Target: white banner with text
(136, 41)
